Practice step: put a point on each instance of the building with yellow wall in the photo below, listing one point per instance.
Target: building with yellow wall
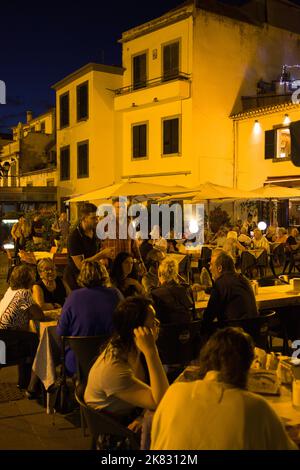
(185, 73)
(267, 148)
(28, 173)
(88, 139)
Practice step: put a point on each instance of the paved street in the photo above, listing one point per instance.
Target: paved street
(24, 424)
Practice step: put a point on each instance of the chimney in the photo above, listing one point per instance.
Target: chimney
(28, 116)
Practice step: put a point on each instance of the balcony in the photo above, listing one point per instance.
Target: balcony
(28, 194)
(157, 90)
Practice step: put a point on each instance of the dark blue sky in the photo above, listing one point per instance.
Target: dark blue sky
(42, 42)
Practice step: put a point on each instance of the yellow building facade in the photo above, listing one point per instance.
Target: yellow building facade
(87, 139)
(216, 60)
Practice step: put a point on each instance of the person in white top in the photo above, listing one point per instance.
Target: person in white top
(260, 242)
(217, 412)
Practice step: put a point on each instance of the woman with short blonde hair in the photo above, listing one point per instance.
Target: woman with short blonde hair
(173, 300)
(168, 270)
(93, 274)
(88, 311)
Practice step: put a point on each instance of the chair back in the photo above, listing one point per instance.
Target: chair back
(205, 257)
(12, 354)
(179, 343)
(257, 327)
(86, 350)
(99, 422)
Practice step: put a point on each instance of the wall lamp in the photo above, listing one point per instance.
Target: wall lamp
(286, 120)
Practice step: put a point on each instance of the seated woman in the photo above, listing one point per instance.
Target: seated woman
(221, 413)
(88, 311)
(173, 301)
(117, 382)
(232, 246)
(17, 308)
(150, 279)
(49, 292)
(121, 275)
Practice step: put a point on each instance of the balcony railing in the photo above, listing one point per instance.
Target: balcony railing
(152, 83)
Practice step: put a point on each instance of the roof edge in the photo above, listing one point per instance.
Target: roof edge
(265, 110)
(90, 67)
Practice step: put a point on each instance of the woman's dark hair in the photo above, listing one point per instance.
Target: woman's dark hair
(229, 351)
(128, 315)
(117, 271)
(22, 277)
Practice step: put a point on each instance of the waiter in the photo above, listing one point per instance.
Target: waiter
(83, 245)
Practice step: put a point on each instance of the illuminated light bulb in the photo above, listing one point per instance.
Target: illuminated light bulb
(193, 226)
(8, 246)
(262, 225)
(286, 120)
(257, 127)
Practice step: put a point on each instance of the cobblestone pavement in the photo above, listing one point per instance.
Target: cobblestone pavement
(24, 424)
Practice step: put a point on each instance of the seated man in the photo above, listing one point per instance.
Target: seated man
(217, 412)
(231, 296)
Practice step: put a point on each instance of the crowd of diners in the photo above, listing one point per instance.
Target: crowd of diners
(125, 291)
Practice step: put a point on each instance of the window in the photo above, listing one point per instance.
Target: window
(65, 163)
(64, 110)
(139, 71)
(43, 126)
(83, 159)
(171, 61)
(83, 101)
(139, 141)
(171, 136)
(278, 144)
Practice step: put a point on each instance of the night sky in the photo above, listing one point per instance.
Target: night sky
(42, 42)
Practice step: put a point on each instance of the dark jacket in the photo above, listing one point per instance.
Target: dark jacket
(231, 298)
(173, 303)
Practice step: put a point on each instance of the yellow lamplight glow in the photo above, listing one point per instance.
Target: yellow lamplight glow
(257, 127)
(193, 226)
(262, 225)
(286, 120)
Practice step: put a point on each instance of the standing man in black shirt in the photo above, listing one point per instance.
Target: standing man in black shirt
(83, 245)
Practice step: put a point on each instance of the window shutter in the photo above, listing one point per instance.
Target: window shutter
(295, 142)
(270, 151)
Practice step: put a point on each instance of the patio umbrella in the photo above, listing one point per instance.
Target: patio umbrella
(276, 192)
(210, 191)
(135, 189)
(270, 191)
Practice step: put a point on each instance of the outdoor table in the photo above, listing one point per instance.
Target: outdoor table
(267, 298)
(42, 254)
(48, 357)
